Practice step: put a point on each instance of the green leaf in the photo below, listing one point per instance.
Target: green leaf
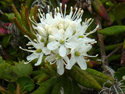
(43, 78)
(6, 73)
(22, 69)
(16, 14)
(119, 11)
(51, 69)
(37, 74)
(84, 78)
(10, 16)
(57, 88)
(69, 86)
(11, 88)
(66, 84)
(26, 84)
(112, 30)
(75, 88)
(46, 87)
(100, 9)
(6, 40)
(12, 50)
(100, 77)
(115, 57)
(1, 60)
(29, 3)
(109, 47)
(120, 73)
(40, 76)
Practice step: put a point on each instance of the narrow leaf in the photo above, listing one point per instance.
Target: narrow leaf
(100, 9)
(46, 87)
(16, 14)
(113, 30)
(84, 78)
(100, 77)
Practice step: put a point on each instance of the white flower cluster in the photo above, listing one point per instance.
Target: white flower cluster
(61, 38)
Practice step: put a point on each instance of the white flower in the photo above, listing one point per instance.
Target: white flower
(77, 55)
(61, 42)
(40, 30)
(39, 51)
(60, 36)
(55, 58)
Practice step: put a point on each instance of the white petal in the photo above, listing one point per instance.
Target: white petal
(39, 60)
(41, 30)
(58, 35)
(81, 62)
(60, 66)
(53, 45)
(68, 33)
(84, 28)
(32, 56)
(46, 51)
(86, 48)
(51, 38)
(72, 25)
(71, 45)
(50, 58)
(71, 63)
(49, 17)
(66, 59)
(62, 51)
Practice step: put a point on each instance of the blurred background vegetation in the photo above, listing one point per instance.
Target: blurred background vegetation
(18, 78)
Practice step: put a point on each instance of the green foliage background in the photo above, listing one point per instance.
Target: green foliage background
(19, 78)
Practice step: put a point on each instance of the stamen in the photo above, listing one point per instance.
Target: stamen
(44, 16)
(57, 9)
(55, 12)
(77, 13)
(86, 20)
(28, 37)
(91, 56)
(65, 10)
(74, 13)
(90, 22)
(32, 21)
(93, 31)
(61, 9)
(40, 14)
(80, 14)
(71, 12)
(48, 8)
(29, 43)
(32, 51)
(30, 47)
